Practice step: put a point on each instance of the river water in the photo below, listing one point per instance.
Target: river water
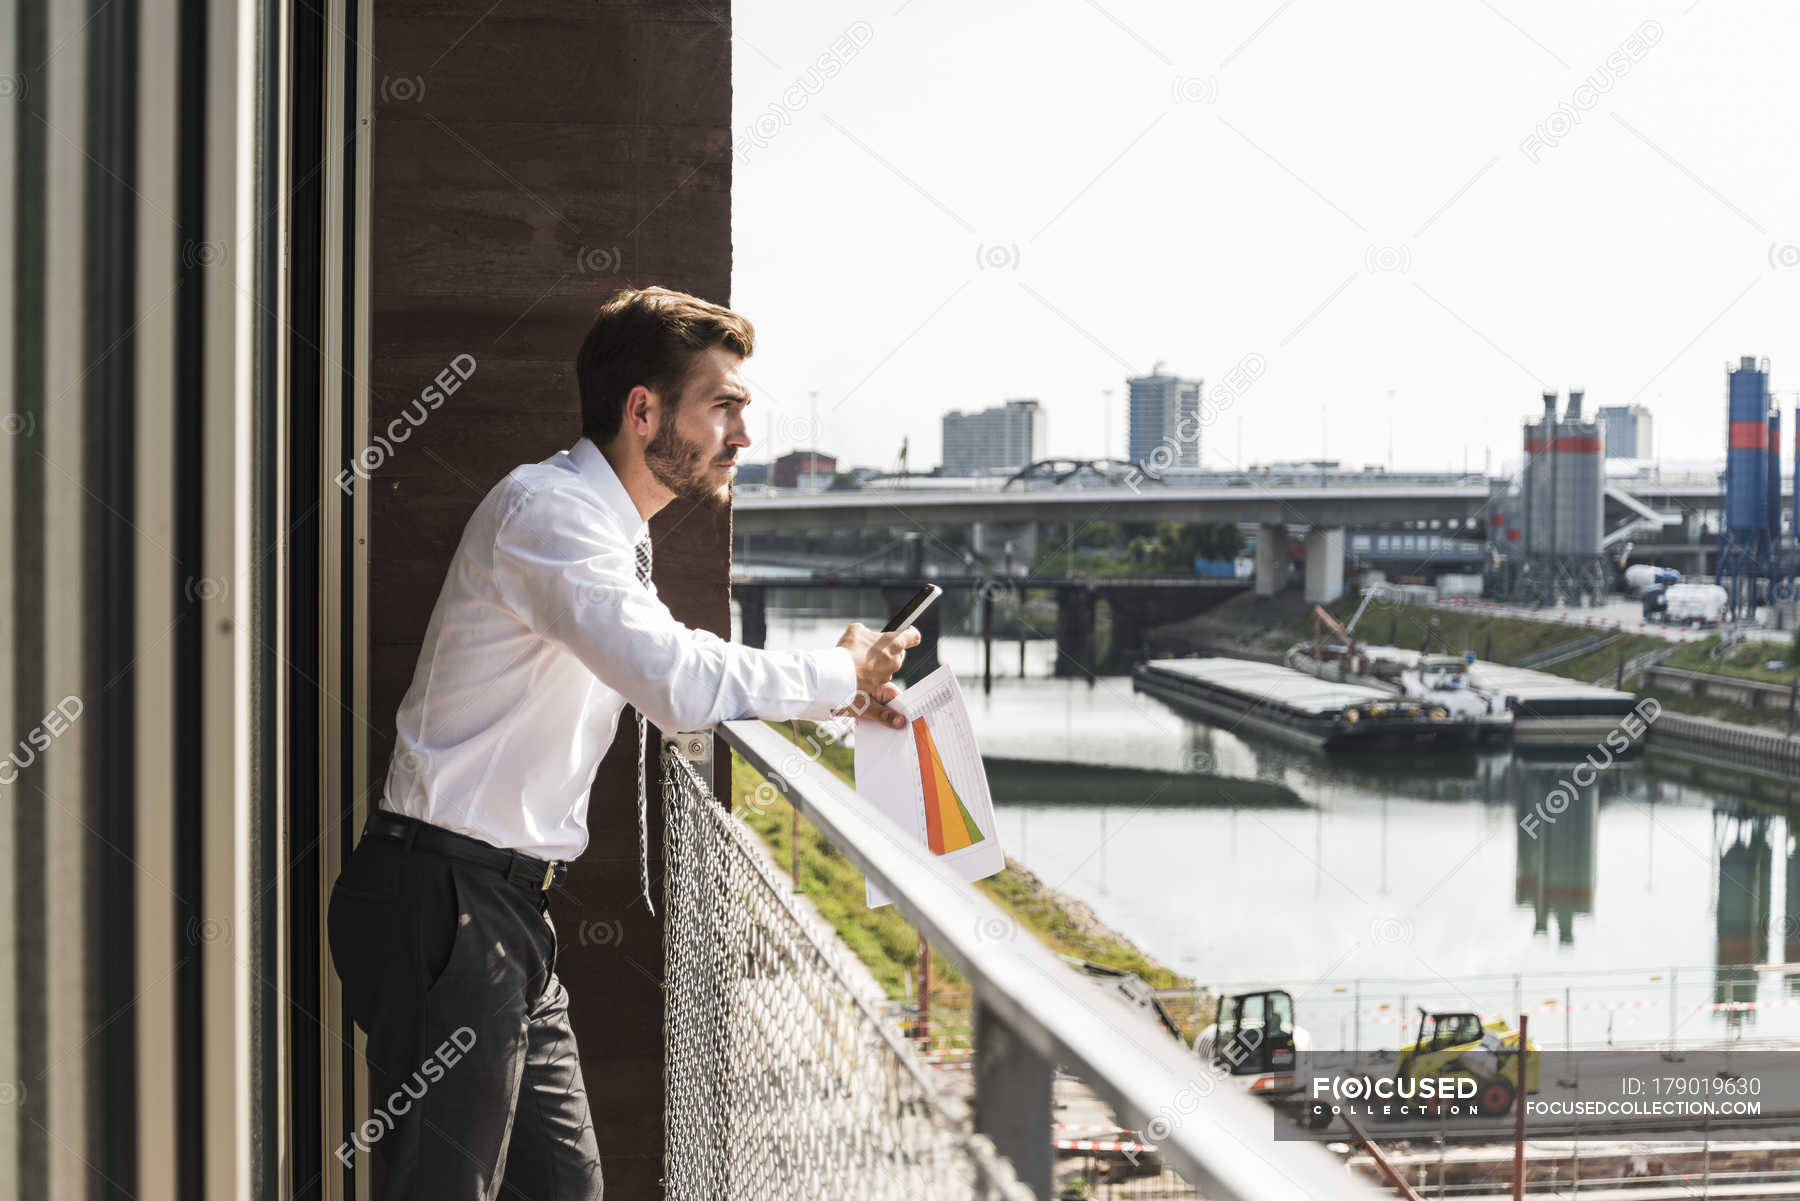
(1369, 885)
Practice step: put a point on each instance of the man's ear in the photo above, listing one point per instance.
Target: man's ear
(638, 403)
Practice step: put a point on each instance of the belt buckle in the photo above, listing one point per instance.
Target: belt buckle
(549, 875)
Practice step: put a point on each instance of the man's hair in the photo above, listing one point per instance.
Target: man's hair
(648, 336)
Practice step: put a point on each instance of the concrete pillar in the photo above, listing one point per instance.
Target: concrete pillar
(1271, 559)
(912, 556)
(1130, 625)
(1025, 542)
(1324, 564)
(1074, 631)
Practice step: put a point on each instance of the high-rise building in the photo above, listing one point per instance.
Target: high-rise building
(1627, 430)
(1165, 412)
(1004, 438)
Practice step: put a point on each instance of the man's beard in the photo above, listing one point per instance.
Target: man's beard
(682, 467)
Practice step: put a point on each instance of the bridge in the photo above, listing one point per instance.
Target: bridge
(1134, 605)
(1272, 507)
(1662, 518)
(1257, 504)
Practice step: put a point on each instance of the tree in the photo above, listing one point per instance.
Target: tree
(1221, 540)
(1180, 542)
(1104, 534)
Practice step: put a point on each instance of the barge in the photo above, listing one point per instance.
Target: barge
(1534, 707)
(1554, 711)
(1293, 707)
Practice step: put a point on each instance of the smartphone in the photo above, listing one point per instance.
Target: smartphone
(908, 613)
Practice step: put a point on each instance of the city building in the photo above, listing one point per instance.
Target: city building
(808, 470)
(1627, 430)
(1003, 438)
(1165, 412)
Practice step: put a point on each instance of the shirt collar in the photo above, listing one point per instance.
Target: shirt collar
(600, 474)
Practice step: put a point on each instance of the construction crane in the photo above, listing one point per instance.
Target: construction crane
(1322, 619)
(1369, 594)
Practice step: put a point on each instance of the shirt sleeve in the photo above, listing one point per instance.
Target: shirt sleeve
(564, 567)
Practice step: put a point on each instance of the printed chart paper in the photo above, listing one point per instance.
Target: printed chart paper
(928, 777)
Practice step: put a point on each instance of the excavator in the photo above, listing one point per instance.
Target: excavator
(1255, 1040)
(1460, 1044)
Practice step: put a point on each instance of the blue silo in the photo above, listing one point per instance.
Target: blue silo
(1746, 454)
(1752, 497)
(1772, 480)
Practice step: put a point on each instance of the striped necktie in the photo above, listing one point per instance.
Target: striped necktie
(643, 798)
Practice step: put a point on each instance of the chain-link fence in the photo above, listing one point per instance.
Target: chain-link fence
(1676, 1008)
(782, 1080)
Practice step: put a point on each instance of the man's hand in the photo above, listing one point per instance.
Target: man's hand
(878, 656)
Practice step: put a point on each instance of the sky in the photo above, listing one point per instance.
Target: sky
(1391, 224)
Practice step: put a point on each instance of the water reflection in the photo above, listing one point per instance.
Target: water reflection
(1367, 885)
(1745, 893)
(1555, 851)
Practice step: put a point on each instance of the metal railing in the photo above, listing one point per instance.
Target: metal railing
(783, 1083)
(782, 1080)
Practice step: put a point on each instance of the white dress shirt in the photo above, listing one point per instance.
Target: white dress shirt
(540, 636)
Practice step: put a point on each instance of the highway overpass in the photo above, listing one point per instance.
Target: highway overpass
(1261, 504)
(1324, 510)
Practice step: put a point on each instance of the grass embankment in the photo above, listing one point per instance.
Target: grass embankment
(882, 939)
(1496, 639)
(1723, 710)
(1743, 659)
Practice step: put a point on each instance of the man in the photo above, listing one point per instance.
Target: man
(546, 628)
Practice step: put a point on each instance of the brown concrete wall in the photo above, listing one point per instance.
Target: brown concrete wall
(528, 159)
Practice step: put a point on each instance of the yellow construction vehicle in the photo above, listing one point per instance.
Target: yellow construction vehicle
(1460, 1044)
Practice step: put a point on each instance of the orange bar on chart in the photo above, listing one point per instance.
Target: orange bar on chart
(948, 826)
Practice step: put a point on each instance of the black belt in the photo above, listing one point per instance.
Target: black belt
(527, 871)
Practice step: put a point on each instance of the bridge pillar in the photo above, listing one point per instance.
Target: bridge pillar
(753, 602)
(912, 558)
(1130, 625)
(1271, 559)
(1074, 631)
(1324, 564)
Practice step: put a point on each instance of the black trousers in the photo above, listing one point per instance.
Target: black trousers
(475, 1084)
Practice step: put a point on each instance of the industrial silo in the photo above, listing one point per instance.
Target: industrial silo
(1580, 474)
(1563, 494)
(1537, 481)
(1746, 496)
(1746, 546)
(1772, 480)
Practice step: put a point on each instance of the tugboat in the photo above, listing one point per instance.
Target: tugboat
(1445, 680)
